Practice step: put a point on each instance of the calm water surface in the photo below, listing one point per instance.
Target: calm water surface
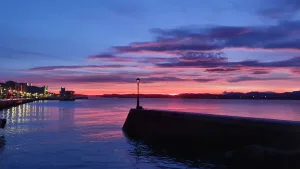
(86, 134)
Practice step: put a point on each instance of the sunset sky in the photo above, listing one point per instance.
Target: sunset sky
(174, 46)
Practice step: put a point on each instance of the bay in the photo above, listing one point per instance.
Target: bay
(87, 134)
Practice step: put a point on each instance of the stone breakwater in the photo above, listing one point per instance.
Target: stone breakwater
(244, 141)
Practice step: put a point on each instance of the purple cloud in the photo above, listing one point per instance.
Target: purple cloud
(202, 57)
(111, 78)
(110, 57)
(260, 72)
(249, 78)
(119, 79)
(204, 80)
(289, 63)
(214, 39)
(53, 68)
(157, 60)
(168, 48)
(101, 56)
(222, 70)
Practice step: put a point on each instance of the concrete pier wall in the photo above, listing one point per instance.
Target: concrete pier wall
(199, 131)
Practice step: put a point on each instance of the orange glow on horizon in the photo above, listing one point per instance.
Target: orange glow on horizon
(171, 91)
(175, 88)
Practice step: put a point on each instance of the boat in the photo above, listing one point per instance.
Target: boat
(2, 123)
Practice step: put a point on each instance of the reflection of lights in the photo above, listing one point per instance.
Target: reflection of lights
(20, 117)
(24, 108)
(27, 109)
(25, 113)
(8, 113)
(13, 112)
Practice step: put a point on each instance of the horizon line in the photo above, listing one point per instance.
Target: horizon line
(176, 94)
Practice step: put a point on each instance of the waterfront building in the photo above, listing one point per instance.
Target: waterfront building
(1, 90)
(66, 94)
(12, 85)
(37, 90)
(23, 87)
(11, 89)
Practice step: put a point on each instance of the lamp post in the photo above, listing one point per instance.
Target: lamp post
(138, 94)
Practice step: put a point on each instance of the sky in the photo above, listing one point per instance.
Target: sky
(173, 46)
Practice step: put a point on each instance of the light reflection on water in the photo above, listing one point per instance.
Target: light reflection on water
(87, 133)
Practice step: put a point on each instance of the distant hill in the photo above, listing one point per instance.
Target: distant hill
(295, 95)
(81, 96)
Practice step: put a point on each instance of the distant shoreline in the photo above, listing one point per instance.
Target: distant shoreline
(189, 98)
(226, 96)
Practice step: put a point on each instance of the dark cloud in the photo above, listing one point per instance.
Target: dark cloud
(119, 79)
(202, 57)
(260, 72)
(289, 63)
(203, 80)
(226, 70)
(162, 79)
(111, 57)
(130, 79)
(114, 58)
(222, 70)
(282, 36)
(157, 60)
(99, 79)
(168, 48)
(249, 78)
(101, 56)
(288, 45)
(110, 78)
(52, 68)
(198, 60)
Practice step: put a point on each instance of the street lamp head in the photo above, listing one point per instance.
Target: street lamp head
(138, 80)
